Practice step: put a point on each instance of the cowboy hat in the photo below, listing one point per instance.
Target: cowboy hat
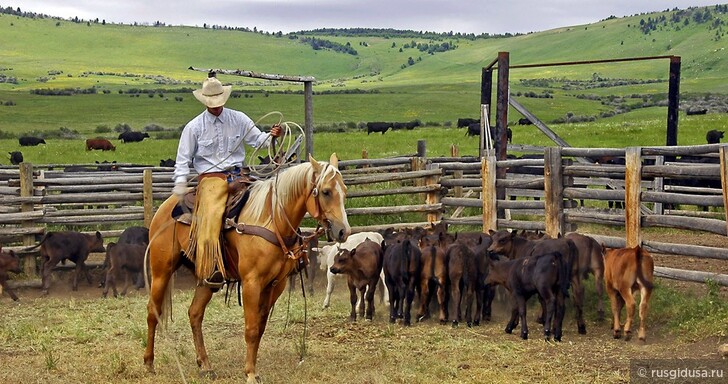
(213, 94)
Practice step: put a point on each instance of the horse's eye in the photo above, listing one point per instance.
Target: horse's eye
(326, 192)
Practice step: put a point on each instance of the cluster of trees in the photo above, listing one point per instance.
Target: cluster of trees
(399, 33)
(318, 44)
(63, 91)
(685, 17)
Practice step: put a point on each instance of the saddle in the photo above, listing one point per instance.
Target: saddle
(237, 197)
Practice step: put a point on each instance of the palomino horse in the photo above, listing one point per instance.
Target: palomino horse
(277, 204)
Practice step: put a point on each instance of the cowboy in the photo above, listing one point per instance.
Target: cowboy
(213, 143)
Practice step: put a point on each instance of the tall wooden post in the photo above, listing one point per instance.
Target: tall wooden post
(724, 179)
(26, 190)
(308, 107)
(148, 193)
(632, 198)
(553, 190)
(488, 175)
(501, 120)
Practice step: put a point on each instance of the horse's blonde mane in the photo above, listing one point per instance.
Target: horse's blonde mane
(293, 180)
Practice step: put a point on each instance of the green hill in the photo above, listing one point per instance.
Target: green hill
(389, 77)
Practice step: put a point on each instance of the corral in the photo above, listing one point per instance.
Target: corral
(432, 189)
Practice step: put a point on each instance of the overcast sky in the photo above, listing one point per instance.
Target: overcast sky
(467, 16)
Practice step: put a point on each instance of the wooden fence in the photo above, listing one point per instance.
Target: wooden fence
(555, 192)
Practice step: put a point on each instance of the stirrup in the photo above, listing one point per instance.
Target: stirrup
(215, 281)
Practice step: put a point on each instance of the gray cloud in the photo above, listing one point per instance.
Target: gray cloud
(467, 16)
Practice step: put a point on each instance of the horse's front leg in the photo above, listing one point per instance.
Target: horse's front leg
(257, 303)
(197, 313)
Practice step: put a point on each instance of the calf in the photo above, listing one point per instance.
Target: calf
(515, 247)
(434, 274)
(130, 235)
(16, 157)
(102, 144)
(713, 136)
(362, 265)
(9, 262)
(463, 274)
(127, 258)
(545, 274)
(625, 271)
(402, 271)
(56, 247)
(591, 260)
(328, 253)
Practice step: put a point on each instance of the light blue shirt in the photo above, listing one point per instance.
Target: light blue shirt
(215, 143)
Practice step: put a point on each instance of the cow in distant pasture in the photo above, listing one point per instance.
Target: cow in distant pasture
(474, 130)
(627, 270)
(378, 126)
(524, 121)
(166, 163)
(701, 111)
(362, 266)
(9, 262)
(56, 247)
(30, 141)
(466, 121)
(16, 157)
(713, 136)
(102, 144)
(131, 137)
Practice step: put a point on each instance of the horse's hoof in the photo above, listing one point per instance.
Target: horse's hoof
(253, 379)
(208, 374)
(150, 369)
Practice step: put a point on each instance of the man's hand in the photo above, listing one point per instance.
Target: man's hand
(180, 189)
(276, 131)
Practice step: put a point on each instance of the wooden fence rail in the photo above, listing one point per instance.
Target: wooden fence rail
(551, 193)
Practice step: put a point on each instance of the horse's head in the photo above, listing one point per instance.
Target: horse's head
(325, 203)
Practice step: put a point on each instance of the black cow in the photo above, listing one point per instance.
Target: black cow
(466, 121)
(16, 157)
(56, 247)
(378, 126)
(701, 111)
(474, 130)
(402, 271)
(545, 274)
(9, 262)
(107, 166)
(30, 141)
(713, 136)
(130, 137)
(524, 121)
(134, 236)
(166, 163)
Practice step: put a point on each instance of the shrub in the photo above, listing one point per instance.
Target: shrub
(102, 129)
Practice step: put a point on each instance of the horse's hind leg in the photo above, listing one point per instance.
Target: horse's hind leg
(197, 313)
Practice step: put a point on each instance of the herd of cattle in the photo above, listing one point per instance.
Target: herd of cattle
(462, 270)
(16, 157)
(456, 273)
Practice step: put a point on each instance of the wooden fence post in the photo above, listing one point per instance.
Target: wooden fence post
(723, 151)
(458, 174)
(488, 174)
(148, 197)
(553, 190)
(632, 200)
(433, 197)
(26, 190)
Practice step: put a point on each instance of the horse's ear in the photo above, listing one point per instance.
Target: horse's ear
(314, 163)
(334, 160)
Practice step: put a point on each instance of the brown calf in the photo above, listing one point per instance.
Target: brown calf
(625, 271)
(9, 262)
(127, 258)
(362, 266)
(434, 274)
(591, 260)
(56, 247)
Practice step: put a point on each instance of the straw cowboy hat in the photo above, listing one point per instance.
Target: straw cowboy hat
(213, 94)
